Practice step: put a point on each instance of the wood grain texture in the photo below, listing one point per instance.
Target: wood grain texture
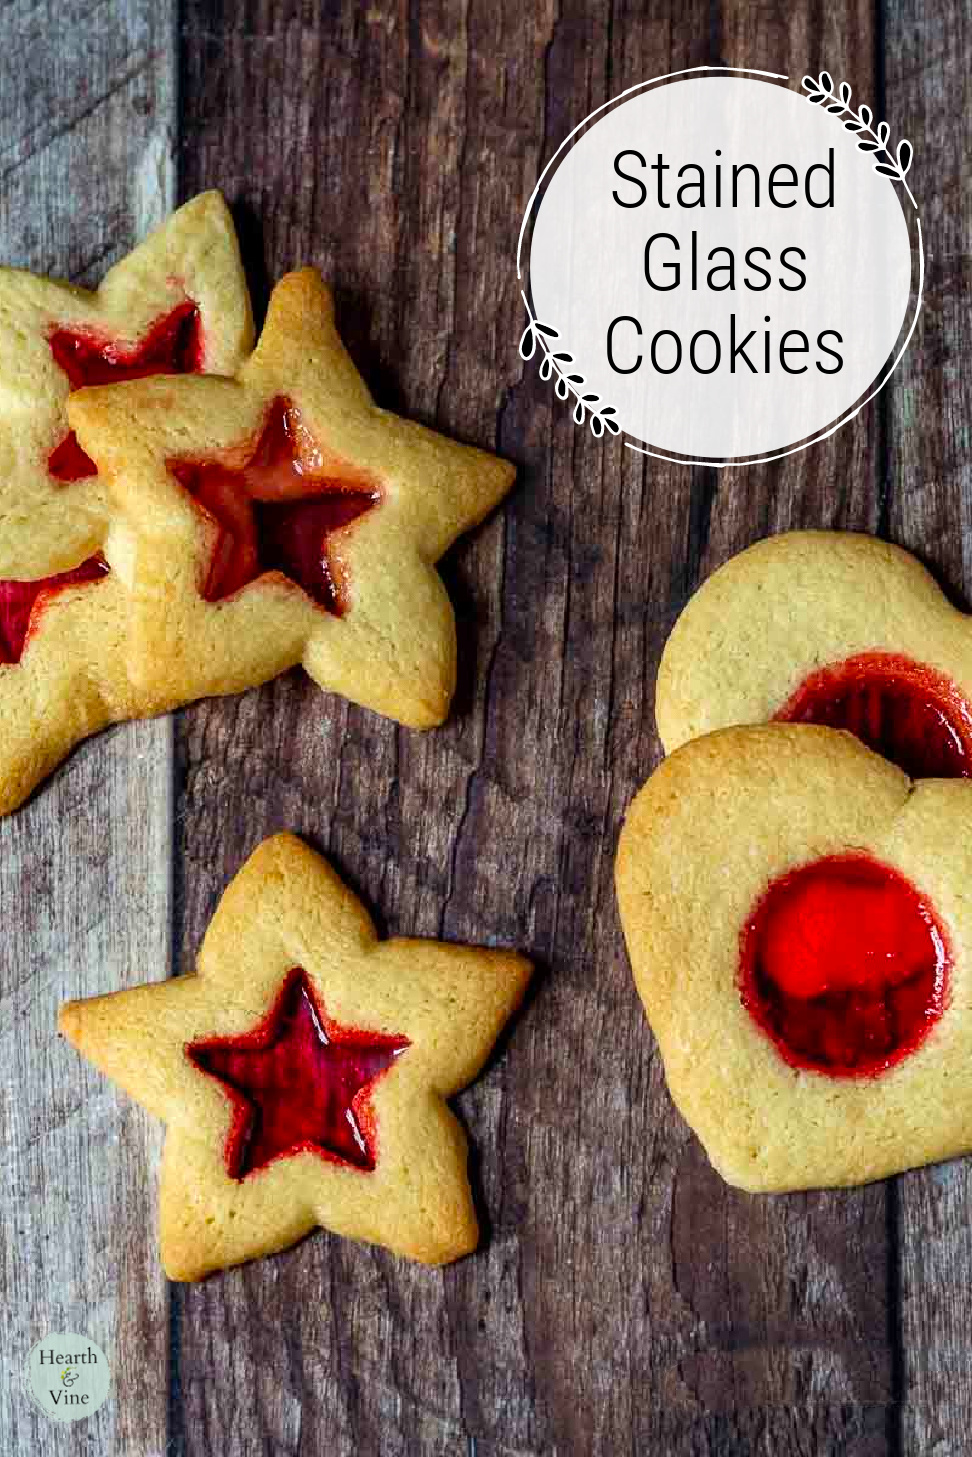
(85, 143)
(623, 1299)
(799, 1352)
(929, 93)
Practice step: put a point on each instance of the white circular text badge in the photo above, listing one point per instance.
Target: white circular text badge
(68, 1376)
(721, 270)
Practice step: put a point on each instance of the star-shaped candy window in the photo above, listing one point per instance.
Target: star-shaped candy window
(178, 302)
(303, 1070)
(273, 513)
(283, 518)
(296, 1084)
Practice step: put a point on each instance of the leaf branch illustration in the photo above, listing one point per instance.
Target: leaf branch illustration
(554, 365)
(820, 92)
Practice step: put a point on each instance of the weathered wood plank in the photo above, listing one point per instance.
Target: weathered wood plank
(773, 1318)
(320, 174)
(85, 133)
(623, 1300)
(928, 100)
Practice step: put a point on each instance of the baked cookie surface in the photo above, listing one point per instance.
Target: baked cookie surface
(797, 917)
(831, 628)
(282, 518)
(179, 301)
(303, 1072)
(63, 649)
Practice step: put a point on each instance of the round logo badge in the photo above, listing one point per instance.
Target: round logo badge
(68, 1376)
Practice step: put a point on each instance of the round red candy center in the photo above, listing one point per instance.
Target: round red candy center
(910, 713)
(844, 965)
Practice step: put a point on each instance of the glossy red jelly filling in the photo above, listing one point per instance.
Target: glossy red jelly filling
(273, 514)
(68, 462)
(22, 602)
(844, 965)
(298, 1083)
(173, 345)
(908, 712)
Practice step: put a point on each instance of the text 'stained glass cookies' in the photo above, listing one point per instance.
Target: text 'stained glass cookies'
(177, 304)
(303, 1072)
(281, 517)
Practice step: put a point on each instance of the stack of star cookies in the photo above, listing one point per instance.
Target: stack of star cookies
(793, 880)
(180, 516)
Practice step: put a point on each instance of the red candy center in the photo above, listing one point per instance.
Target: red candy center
(844, 965)
(22, 602)
(273, 513)
(908, 712)
(173, 345)
(298, 1083)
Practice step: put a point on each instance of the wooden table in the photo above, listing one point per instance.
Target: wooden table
(623, 1300)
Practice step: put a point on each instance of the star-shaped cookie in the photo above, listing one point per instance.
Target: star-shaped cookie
(798, 919)
(303, 1072)
(179, 301)
(831, 628)
(282, 518)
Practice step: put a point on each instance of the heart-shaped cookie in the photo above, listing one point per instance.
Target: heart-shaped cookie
(830, 628)
(799, 925)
